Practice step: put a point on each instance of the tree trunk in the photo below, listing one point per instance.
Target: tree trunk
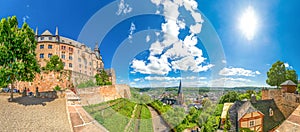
(11, 92)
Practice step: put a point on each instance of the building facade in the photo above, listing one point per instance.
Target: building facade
(76, 56)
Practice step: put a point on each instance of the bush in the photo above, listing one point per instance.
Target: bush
(57, 88)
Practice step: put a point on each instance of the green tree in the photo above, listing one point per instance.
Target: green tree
(276, 74)
(17, 52)
(292, 75)
(231, 96)
(102, 78)
(55, 64)
(227, 124)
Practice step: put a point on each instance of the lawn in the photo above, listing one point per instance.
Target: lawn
(115, 115)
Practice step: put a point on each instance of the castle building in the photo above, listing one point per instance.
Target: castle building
(76, 56)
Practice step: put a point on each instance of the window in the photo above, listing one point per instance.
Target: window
(70, 49)
(49, 55)
(70, 57)
(49, 46)
(41, 46)
(42, 38)
(251, 123)
(80, 71)
(79, 59)
(42, 55)
(70, 65)
(271, 112)
(64, 64)
(50, 38)
(90, 63)
(63, 47)
(63, 56)
(79, 65)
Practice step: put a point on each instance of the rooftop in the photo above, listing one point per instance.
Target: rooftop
(288, 83)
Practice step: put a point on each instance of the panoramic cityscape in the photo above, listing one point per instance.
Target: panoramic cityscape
(149, 66)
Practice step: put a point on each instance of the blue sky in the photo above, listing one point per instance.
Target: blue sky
(139, 39)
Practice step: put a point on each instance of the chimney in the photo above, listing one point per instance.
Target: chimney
(253, 99)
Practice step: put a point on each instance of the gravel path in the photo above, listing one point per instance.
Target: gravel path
(159, 125)
(44, 115)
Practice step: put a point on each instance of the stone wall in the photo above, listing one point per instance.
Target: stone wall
(286, 102)
(78, 78)
(95, 95)
(46, 81)
(123, 90)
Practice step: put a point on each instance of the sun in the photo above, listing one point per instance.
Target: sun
(248, 23)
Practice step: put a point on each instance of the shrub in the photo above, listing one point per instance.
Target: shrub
(57, 88)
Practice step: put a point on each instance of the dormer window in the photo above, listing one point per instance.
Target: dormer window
(271, 112)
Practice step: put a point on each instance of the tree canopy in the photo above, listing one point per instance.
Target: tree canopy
(292, 75)
(55, 64)
(17, 52)
(278, 73)
(231, 96)
(102, 78)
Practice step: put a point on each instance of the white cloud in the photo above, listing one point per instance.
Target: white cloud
(132, 83)
(137, 79)
(147, 38)
(166, 78)
(230, 82)
(224, 61)
(159, 66)
(123, 8)
(287, 65)
(238, 72)
(131, 30)
(25, 18)
(159, 78)
(172, 53)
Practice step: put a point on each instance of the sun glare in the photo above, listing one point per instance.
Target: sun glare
(248, 23)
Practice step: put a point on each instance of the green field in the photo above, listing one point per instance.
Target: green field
(115, 115)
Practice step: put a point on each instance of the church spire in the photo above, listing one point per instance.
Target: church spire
(179, 88)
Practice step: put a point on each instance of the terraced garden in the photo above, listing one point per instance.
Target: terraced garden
(122, 115)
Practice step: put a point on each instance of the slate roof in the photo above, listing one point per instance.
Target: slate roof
(288, 83)
(263, 106)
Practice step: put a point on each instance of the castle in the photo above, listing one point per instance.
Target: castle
(76, 57)
(81, 63)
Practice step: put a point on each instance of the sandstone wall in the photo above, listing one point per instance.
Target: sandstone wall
(286, 102)
(78, 78)
(95, 95)
(46, 81)
(123, 90)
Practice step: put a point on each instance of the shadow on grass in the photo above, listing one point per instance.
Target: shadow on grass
(27, 100)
